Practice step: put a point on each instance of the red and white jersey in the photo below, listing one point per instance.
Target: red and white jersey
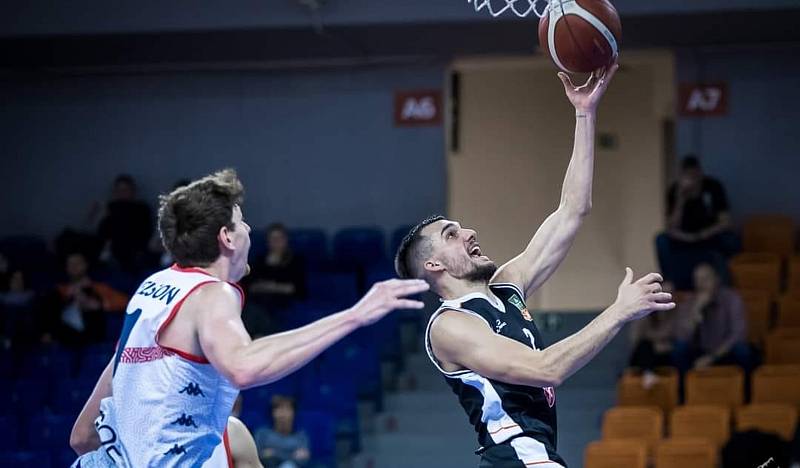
(169, 408)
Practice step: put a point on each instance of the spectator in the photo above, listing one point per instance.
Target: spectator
(278, 278)
(17, 306)
(652, 339)
(698, 222)
(712, 327)
(281, 446)
(127, 225)
(79, 305)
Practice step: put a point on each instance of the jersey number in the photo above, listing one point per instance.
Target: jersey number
(127, 327)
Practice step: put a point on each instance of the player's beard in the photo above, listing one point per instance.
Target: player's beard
(480, 273)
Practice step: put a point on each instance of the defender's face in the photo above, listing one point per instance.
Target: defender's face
(241, 241)
(456, 249)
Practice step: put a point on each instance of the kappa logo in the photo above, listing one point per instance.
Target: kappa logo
(175, 450)
(499, 326)
(192, 389)
(185, 421)
(519, 304)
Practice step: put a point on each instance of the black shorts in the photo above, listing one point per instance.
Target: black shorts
(521, 452)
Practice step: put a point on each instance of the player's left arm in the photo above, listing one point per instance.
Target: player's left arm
(548, 247)
(243, 447)
(83, 437)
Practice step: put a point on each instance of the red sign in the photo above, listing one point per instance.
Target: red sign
(412, 108)
(703, 99)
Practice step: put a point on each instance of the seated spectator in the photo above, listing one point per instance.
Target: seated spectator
(698, 226)
(281, 446)
(652, 339)
(276, 280)
(79, 305)
(711, 325)
(279, 277)
(17, 308)
(126, 226)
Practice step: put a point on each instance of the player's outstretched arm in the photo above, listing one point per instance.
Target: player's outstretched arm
(464, 341)
(243, 447)
(247, 363)
(84, 437)
(552, 240)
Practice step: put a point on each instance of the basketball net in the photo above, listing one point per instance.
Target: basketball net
(521, 8)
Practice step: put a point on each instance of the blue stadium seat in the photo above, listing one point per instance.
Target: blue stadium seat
(260, 398)
(70, 396)
(359, 246)
(92, 365)
(25, 460)
(24, 249)
(254, 419)
(311, 244)
(336, 288)
(63, 458)
(48, 365)
(335, 394)
(9, 428)
(114, 321)
(397, 238)
(320, 427)
(27, 396)
(49, 432)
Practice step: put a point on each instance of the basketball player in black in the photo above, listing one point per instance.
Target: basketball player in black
(483, 339)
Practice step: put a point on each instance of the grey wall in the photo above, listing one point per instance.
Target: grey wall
(755, 149)
(96, 16)
(314, 149)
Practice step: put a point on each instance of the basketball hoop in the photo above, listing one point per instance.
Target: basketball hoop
(521, 8)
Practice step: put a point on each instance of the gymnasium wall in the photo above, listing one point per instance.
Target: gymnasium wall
(314, 149)
(754, 149)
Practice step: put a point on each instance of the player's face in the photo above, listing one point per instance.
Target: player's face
(241, 241)
(457, 250)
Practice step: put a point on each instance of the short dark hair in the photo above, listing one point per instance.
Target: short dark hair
(280, 227)
(190, 217)
(412, 248)
(690, 161)
(125, 179)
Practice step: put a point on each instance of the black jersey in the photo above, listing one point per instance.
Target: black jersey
(503, 412)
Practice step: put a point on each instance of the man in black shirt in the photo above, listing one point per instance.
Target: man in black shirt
(698, 225)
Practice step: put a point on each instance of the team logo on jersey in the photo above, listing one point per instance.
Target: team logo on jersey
(517, 302)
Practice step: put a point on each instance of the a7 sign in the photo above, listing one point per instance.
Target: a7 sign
(702, 99)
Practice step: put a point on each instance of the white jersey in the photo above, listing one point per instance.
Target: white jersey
(169, 408)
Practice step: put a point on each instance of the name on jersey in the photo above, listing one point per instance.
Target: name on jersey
(161, 292)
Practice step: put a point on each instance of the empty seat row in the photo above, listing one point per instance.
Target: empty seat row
(718, 385)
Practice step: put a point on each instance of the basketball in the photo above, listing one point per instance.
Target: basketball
(580, 36)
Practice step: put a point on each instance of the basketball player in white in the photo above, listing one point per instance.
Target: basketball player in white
(184, 354)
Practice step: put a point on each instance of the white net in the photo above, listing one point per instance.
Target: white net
(521, 8)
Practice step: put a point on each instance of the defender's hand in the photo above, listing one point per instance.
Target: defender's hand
(387, 296)
(586, 97)
(637, 299)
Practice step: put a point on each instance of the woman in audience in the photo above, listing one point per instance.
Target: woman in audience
(282, 446)
(17, 308)
(277, 279)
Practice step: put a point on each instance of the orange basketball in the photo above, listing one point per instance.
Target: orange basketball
(580, 36)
